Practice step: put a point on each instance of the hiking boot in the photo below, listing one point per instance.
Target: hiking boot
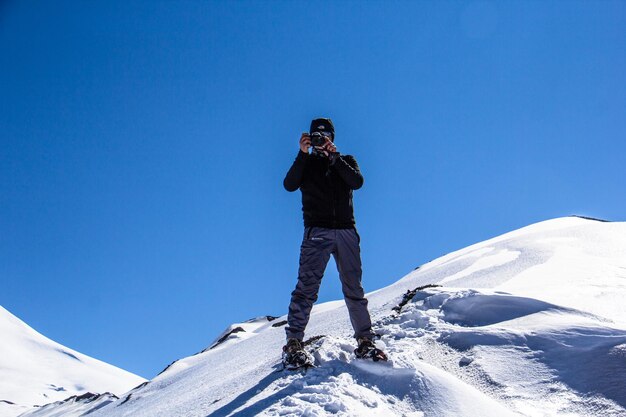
(294, 355)
(366, 349)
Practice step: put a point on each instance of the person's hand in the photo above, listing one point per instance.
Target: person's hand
(305, 142)
(329, 146)
(330, 150)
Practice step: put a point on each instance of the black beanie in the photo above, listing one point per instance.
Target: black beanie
(322, 125)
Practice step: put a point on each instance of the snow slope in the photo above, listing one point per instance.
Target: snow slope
(35, 370)
(530, 323)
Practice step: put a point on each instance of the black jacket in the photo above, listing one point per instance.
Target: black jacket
(326, 189)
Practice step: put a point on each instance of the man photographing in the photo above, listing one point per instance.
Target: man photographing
(326, 179)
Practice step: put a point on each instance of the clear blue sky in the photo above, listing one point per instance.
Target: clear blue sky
(144, 144)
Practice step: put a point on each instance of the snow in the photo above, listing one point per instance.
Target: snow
(35, 370)
(530, 323)
(484, 262)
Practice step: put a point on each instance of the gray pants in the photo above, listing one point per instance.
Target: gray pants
(317, 246)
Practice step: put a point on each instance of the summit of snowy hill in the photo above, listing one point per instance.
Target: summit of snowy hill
(571, 261)
(35, 370)
(529, 323)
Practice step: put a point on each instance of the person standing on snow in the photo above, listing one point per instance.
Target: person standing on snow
(326, 179)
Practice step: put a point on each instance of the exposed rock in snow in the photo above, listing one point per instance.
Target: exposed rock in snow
(75, 405)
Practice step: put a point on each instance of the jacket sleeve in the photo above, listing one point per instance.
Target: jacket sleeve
(349, 171)
(293, 179)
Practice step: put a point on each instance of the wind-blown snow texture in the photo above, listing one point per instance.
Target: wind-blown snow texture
(35, 370)
(529, 323)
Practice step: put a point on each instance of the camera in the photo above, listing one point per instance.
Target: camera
(318, 138)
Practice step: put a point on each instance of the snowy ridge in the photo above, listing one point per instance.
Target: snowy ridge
(35, 370)
(529, 323)
(239, 331)
(74, 405)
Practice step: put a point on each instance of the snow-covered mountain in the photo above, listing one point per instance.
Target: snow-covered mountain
(530, 323)
(35, 370)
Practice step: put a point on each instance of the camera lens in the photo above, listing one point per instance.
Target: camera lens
(317, 139)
